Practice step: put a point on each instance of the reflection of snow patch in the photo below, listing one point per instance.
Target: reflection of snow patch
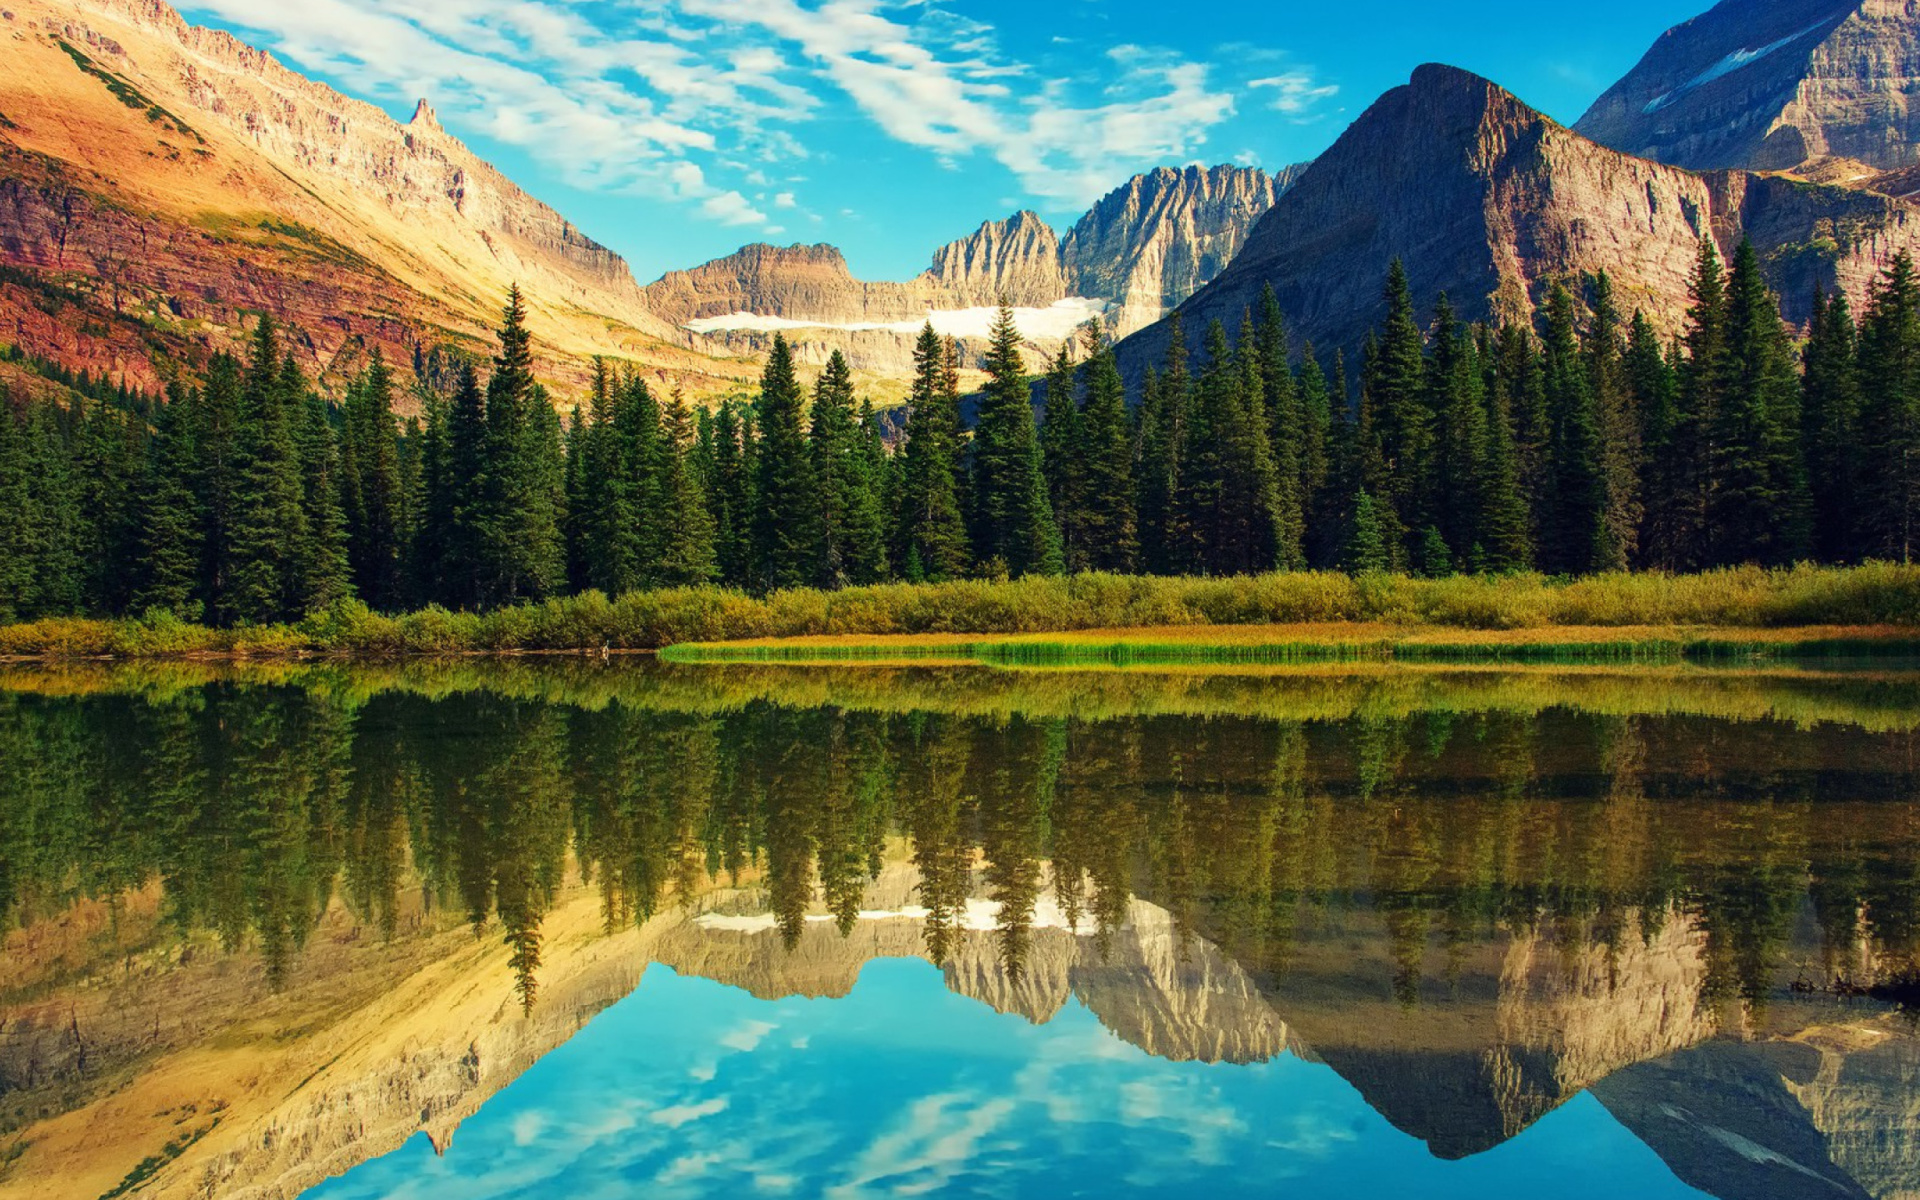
(1726, 66)
(979, 916)
(1053, 323)
(1745, 1147)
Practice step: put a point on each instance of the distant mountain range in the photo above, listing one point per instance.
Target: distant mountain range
(1144, 248)
(161, 183)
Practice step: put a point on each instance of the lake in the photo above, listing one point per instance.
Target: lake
(571, 929)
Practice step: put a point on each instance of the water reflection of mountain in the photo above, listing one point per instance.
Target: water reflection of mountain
(1472, 901)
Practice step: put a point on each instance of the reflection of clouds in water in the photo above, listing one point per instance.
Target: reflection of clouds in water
(527, 1127)
(932, 1147)
(677, 1115)
(746, 1038)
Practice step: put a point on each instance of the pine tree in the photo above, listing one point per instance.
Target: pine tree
(323, 574)
(18, 544)
(170, 550)
(1618, 426)
(1830, 423)
(730, 493)
(933, 536)
(786, 541)
(1459, 406)
(1889, 501)
(687, 552)
(1503, 525)
(1759, 509)
(1320, 489)
(1364, 550)
(370, 487)
(1682, 456)
(1013, 523)
(1653, 390)
(522, 550)
(846, 506)
(1398, 415)
(1573, 527)
(269, 537)
(1164, 408)
(1108, 521)
(1287, 435)
(637, 465)
(1063, 457)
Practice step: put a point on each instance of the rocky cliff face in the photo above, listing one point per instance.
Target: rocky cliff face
(1159, 238)
(1017, 259)
(1491, 202)
(165, 181)
(1771, 85)
(1144, 248)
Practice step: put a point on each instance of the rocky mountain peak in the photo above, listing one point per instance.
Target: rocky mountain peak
(1491, 202)
(1017, 259)
(423, 117)
(1771, 85)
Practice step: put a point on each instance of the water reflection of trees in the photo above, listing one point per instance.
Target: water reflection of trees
(255, 806)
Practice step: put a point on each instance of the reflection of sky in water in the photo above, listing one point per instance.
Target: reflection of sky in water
(691, 1088)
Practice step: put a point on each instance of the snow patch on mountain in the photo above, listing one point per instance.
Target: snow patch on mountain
(1058, 320)
(1727, 66)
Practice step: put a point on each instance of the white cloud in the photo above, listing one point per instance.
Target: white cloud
(1296, 93)
(696, 100)
(674, 1116)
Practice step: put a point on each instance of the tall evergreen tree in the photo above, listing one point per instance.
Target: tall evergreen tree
(932, 542)
(1830, 421)
(1618, 426)
(370, 487)
(846, 505)
(1108, 522)
(1890, 416)
(1653, 388)
(785, 539)
(1013, 523)
(1759, 508)
(687, 549)
(324, 574)
(1063, 457)
(170, 550)
(269, 535)
(1573, 527)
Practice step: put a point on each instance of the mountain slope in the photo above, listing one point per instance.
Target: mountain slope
(1773, 84)
(1145, 247)
(160, 182)
(1491, 202)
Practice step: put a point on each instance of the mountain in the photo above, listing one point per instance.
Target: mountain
(1771, 85)
(160, 182)
(1491, 202)
(1160, 237)
(1144, 248)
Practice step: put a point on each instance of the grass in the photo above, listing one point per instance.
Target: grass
(1305, 616)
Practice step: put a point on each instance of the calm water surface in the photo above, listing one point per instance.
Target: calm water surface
(573, 931)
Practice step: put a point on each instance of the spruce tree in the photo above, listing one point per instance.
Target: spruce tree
(1108, 521)
(932, 541)
(17, 533)
(730, 494)
(523, 506)
(1618, 426)
(846, 506)
(1013, 523)
(687, 550)
(1682, 456)
(1653, 388)
(323, 573)
(1759, 508)
(1830, 421)
(1364, 551)
(1573, 527)
(1399, 417)
(1889, 500)
(170, 550)
(1063, 456)
(1164, 407)
(786, 541)
(370, 487)
(269, 539)
(1287, 434)
(1320, 489)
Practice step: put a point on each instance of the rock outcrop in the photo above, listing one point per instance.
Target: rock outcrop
(1142, 249)
(1492, 203)
(1160, 237)
(165, 181)
(1772, 85)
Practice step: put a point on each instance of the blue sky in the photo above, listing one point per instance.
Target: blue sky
(678, 130)
(688, 1089)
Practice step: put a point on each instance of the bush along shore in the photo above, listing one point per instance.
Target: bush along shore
(1738, 612)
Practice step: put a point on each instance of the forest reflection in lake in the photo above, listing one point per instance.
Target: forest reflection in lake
(1508, 919)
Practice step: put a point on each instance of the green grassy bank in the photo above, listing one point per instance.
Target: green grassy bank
(1740, 612)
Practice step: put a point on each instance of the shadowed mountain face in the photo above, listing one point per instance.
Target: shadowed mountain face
(1492, 203)
(1771, 85)
(1471, 895)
